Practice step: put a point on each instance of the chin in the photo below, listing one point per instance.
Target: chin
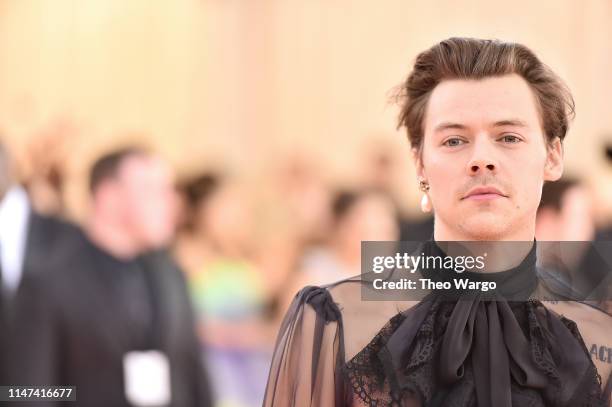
(485, 226)
(158, 241)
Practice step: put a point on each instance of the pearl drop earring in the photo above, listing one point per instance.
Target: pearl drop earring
(425, 201)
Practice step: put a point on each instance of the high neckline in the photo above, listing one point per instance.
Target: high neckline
(516, 283)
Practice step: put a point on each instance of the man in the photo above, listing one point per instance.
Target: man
(484, 147)
(114, 318)
(486, 120)
(27, 241)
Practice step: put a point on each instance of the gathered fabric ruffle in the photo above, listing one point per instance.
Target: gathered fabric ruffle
(476, 353)
(452, 349)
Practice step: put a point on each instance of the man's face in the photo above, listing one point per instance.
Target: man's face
(485, 134)
(147, 199)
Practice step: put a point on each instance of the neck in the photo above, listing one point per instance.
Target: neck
(110, 236)
(444, 232)
(503, 251)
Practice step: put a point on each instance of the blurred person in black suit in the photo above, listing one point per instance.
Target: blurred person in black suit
(27, 241)
(114, 318)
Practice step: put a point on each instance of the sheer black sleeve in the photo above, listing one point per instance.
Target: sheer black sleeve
(307, 364)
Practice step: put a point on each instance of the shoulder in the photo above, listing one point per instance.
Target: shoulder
(345, 302)
(51, 265)
(166, 271)
(51, 228)
(585, 316)
(595, 327)
(351, 297)
(162, 259)
(319, 300)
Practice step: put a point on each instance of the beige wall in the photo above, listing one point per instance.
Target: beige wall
(236, 82)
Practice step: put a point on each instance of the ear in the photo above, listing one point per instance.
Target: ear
(553, 168)
(417, 158)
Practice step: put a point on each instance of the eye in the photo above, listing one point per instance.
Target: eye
(510, 139)
(453, 142)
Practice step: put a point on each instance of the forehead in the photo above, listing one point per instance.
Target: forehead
(477, 103)
(147, 169)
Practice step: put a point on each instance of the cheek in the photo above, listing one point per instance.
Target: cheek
(433, 159)
(527, 193)
(155, 216)
(528, 176)
(530, 193)
(443, 181)
(528, 161)
(442, 171)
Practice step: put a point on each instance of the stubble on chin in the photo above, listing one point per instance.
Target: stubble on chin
(489, 227)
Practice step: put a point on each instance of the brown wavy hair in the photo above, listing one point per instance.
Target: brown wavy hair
(471, 58)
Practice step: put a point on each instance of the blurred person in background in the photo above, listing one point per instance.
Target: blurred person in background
(113, 318)
(305, 196)
(565, 212)
(382, 170)
(45, 165)
(357, 216)
(28, 240)
(296, 217)
(216, 249)
(380, 167)
(604, 233)
(566, 215)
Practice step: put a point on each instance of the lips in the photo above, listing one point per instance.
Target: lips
(484, 193)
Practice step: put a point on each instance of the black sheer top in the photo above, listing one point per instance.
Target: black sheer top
(335, 349)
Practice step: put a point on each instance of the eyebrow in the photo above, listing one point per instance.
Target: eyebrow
(458, 126)
(449, 125)
(510, 122)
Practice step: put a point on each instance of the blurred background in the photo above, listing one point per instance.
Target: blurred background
(232, 83)
(277, 120)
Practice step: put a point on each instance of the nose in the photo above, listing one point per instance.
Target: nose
(477, 165)
(482, 160)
